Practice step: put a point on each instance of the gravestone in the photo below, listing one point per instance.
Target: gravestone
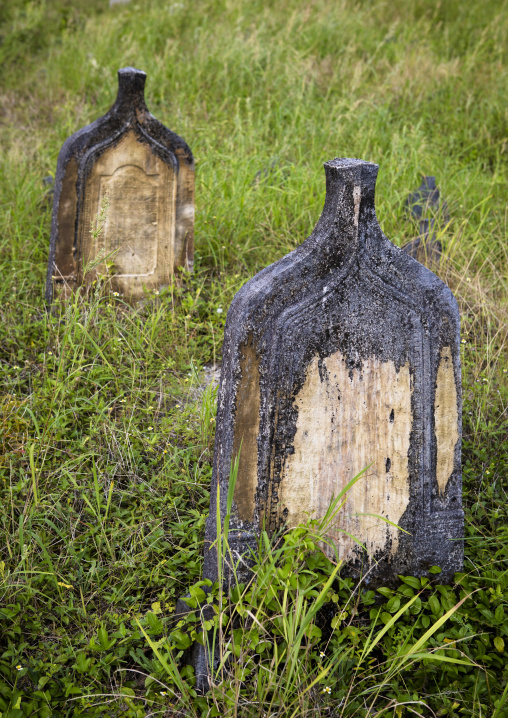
(344, 354)
(145, 174)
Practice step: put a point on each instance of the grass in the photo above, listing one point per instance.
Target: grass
(106, 429)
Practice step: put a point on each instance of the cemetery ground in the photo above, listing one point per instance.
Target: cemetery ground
(107, 411)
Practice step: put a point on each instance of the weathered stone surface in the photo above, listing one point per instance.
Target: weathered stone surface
(342, 354)
(147, 173)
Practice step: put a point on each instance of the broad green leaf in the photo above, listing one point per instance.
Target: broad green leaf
(499, 644)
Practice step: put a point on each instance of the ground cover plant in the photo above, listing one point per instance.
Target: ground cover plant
(107, 410)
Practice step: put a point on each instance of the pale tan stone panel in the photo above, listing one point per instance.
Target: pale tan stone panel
(65, 264)
(446, 419)
(246, 433)
(138, 237)
(346, 422)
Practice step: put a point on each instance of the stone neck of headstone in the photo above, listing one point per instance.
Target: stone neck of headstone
(349, 208)
(131, 92)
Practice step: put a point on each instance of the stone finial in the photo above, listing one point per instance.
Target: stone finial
(145, 172)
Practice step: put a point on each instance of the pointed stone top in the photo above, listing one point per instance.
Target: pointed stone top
(348, 169)
(131, 89)
(131, 72)
(348, 163)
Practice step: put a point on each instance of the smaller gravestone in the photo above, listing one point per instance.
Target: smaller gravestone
(143, 174)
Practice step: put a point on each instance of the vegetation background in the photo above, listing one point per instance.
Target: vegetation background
(106, 429)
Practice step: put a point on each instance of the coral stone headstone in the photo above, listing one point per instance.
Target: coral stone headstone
(143, 173)
(344, 354)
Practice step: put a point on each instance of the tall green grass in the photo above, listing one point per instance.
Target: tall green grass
(107, 415)
(268, 644)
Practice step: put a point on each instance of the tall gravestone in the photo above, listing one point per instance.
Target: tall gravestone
(146, 173)
(344, 354)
